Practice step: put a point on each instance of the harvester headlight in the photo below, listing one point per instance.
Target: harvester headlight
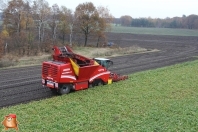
(43, 81)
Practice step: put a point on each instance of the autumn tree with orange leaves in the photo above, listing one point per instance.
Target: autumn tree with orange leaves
(91, 20)
(104, 23)
(28, 28)
(126, 20)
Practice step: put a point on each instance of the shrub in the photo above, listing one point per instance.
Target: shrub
(6, 63)
(8, 60)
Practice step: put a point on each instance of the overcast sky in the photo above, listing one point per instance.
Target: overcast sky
(139, 8)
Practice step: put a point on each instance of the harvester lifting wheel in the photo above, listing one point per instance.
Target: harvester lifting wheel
(64, 89)
(99, 82)
(90, 85)
(54, 91)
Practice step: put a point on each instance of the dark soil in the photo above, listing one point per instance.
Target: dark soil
(22, 85)
(172, 50)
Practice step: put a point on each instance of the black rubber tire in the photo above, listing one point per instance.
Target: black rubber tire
(54, 91)
(91, 85)
(105, 83)
(64, 89)
(99, 83)
(94, 83)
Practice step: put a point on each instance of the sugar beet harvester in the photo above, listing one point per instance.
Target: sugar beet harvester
(69, 71)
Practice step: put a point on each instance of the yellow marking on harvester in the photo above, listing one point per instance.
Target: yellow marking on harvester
(75, 67)
(109, 81)
(96, 63)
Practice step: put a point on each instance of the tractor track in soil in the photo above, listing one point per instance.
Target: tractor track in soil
(22, 85)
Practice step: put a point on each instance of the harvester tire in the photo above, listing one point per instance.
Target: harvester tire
(91, 85)
(100, 83)
(64, 89)
(54, 91)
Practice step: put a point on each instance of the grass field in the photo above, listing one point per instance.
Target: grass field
(155, 31)
(159, 100)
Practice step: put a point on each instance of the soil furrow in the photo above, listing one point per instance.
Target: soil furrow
(19, 81)
(25, 97)
(17, 69)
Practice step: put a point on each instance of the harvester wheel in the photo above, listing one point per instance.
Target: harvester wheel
(54, 91)
(91, 85)
(64, 89)
(100, 83)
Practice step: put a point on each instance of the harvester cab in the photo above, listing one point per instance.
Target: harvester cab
(107, 63)
(104, 62)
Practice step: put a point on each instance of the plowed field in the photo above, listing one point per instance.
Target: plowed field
(21, 85)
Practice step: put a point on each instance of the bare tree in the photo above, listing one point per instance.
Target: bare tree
(29, 26)
(28, 16)
(41, 11)
(66, 23)
(87, 19)
(16, 20)
(3, 4)
(4, 36)
(13, 16)
(1, 46)
(71, 26)
(54, 20)
(104, 23)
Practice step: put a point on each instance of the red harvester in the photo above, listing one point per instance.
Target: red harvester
(69, 71)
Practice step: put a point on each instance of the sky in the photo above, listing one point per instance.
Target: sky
(139, 8)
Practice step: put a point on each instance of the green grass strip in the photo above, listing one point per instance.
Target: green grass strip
(164, 99)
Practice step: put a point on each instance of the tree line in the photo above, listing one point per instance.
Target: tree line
(187, 22)
(29, 28)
